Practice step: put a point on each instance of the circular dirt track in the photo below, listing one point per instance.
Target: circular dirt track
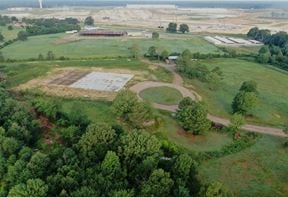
(139, 87)
(178, 84)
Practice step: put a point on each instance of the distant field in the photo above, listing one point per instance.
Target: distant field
(100, 47)
(257, 171)
(272, 86)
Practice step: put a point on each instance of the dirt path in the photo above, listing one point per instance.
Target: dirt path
(178, 84)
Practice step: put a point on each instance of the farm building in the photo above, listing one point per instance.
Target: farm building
(103, 33)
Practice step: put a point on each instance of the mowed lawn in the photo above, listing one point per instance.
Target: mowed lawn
(162, 95)
(272, 86)
(100, 47)
(257, 171)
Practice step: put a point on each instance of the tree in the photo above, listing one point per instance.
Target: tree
(124, 103)
(123, 193)
(249, 86)
(182, 168)
(1, 37)
(164, 55)
(40, 57)
(142, 115)
(193, 117)
(77, 117)
(158, 184)
(184, 28)
(111, 165)
(186, 55)
(253, 32)
(22, 35)
(38, 164)
(244, 102)
(89, 21)
(97, 140)
(14, 19)
(135, 51)
(155, 35)
(214, 190)
(49, 108)
(152, 52)
(237, 121)
(10, 27)
(137, 147)
(9, 145)
(246, 99)
(50, 55)
(264, 57)
(33, 188)
(172, 28)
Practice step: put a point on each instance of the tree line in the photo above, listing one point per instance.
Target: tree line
(173, 28)
(50, 26)
(275, 50)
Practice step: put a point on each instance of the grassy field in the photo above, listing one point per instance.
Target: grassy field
(208, 142)
(22, 72)
(100, 47)
(9, 35)
(96, 111)
(257, 171)
(162, 95)
(272, 86)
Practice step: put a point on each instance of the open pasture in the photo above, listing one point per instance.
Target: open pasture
(101, 47)
(272, 87)
(260, 170)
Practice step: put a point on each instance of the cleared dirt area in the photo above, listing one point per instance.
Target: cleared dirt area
(58, 83)
(212, 20)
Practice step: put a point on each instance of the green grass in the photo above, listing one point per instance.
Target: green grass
(101, 47)
(162, 74)
(257, 171)
(9, 35)
(208, 142)
(96, 111)
(245, 49)
(162, 95)
(272, 85)
(19, 73)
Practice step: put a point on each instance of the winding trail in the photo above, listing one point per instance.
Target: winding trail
(178, 84)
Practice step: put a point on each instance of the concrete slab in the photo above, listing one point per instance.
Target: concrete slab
(102, 81)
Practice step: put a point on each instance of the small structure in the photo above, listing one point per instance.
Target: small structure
(173, 57)
(103, 33)
(71, 32)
